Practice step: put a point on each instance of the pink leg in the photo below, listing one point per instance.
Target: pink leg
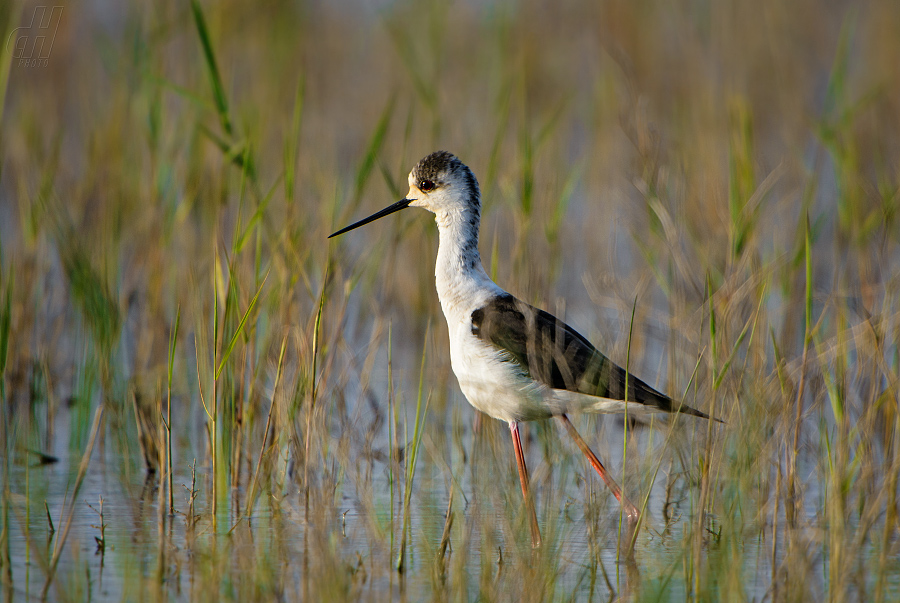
(523, 479)
(630, 510)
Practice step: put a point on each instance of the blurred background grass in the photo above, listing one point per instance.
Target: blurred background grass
(733, 167)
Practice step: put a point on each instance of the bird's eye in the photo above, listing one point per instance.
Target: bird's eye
(426, 186)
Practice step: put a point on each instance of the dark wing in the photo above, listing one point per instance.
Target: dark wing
(555, 354)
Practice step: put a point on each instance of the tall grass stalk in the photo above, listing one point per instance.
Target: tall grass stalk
(792, 508)
(262, 450)
(665, 446)
(162, 427)
(214, 415)
(168, 417)
(6, 286)
(413, 455)
(625, 430)
(392, 433)
(706, 458)
(314, 389)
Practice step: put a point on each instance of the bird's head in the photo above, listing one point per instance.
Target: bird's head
(440, 183)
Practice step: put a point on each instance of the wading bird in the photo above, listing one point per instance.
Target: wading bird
(514, 362)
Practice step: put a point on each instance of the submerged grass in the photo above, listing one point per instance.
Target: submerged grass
(714, 190)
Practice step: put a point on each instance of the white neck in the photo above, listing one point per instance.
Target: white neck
(462, 283)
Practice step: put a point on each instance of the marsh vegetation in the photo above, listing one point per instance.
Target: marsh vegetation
(203, 398)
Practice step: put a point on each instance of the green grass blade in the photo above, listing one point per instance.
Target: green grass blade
(6, 60)
(720, 374)
(236, 152)
(255, 219)
(240, 328)
(373, 149)
(212, 67)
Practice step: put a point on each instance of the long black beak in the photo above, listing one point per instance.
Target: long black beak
(401, 204)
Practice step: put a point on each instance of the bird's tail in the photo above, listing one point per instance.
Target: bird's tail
(647, 395)
(684, 409)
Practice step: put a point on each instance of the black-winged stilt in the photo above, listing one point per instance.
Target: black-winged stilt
(514, 362)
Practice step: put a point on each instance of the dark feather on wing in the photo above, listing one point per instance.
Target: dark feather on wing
(556, 355)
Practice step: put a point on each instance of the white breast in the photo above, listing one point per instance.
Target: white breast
(490, 384)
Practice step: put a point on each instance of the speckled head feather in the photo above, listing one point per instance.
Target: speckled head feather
(443, 169)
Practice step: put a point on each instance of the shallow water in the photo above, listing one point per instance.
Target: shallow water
(139, 540)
